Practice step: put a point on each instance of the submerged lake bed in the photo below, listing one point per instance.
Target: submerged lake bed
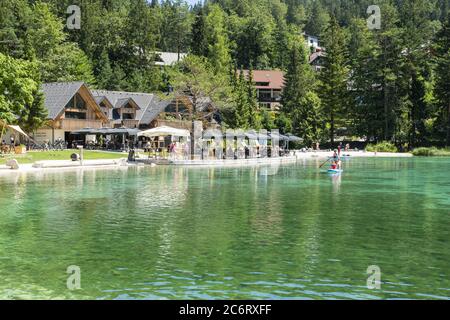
(266, 232)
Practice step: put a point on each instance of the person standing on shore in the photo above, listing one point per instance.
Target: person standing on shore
(12, 144)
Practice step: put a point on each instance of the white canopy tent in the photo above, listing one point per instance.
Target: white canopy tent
(164, 131)
(4, 126)
(19, 130)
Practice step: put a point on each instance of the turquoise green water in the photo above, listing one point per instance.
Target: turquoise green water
(286, 232)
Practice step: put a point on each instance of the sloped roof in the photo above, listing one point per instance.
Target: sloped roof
(58, 94)
(123, 102)
(275, 78)
(169, 58)
(118, 97)
(102, 99)
(154, 109)
(149, 105)
(314, 56)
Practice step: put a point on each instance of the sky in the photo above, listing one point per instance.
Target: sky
(192, 1)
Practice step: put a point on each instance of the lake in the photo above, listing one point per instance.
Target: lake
(268, 232)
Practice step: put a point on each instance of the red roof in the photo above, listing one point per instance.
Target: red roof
(273, 78)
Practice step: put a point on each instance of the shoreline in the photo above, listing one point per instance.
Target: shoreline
(350, 154)
(67, 165)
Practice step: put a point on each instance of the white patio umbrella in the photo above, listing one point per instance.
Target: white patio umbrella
(164, 131)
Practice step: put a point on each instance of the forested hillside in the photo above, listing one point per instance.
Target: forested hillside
(388, 84)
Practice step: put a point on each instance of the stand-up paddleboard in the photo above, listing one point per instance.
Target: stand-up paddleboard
(335, 171)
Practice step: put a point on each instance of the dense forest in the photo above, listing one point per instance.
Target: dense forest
(388, 84)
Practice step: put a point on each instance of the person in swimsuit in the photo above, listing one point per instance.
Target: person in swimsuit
(336, 160)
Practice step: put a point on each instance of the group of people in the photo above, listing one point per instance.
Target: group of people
(5, 148)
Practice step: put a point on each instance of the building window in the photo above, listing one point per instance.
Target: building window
(116, 114)
(75, 115)
(127, 116)
(265, 95)
(76, 102)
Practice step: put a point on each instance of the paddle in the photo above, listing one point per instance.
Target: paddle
(325, 162)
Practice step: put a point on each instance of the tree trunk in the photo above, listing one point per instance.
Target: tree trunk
(332, 127)
(386, 120)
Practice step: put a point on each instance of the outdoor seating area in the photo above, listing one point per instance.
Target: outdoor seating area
(111, 139)
(161, 143)
(175, 144)
(12, 139)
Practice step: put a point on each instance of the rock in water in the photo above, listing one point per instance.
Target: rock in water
(13, 163)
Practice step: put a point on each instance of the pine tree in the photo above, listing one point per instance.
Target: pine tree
(253, 105)
(334, 75)
(366, 112)
(218, 49)
(105, 72)
(141, 36)
(318, 20)
(34, 114)
(300, 103)
(391, 65)
(241, 108)
(442, 89)
(117, 81)
(418, 29)
(199, 45)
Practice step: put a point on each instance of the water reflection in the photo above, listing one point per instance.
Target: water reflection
(336, 180)
(286, 231)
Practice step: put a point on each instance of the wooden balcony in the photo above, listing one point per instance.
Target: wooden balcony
(77, 124)
(126, 123)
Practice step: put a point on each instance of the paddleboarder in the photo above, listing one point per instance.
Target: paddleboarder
(336, 164)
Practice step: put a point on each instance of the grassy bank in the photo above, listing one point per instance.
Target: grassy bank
(34, 156)
(383, 146)
(431, 152)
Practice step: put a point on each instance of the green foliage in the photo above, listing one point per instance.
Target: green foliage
(318, 19)
(199, 44)
(218, 51)
(254, 113)
(442, 88)
(398, 76)
(431, 152)
(255, 42)
(46, 41)
(66, 63)
(175, 26)
(19, 97)
(300, 102)
(244, 112)
(334, 77)
(268, 119)
(33, 115)
(196, 78)
(240, 101)
(382, 147)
